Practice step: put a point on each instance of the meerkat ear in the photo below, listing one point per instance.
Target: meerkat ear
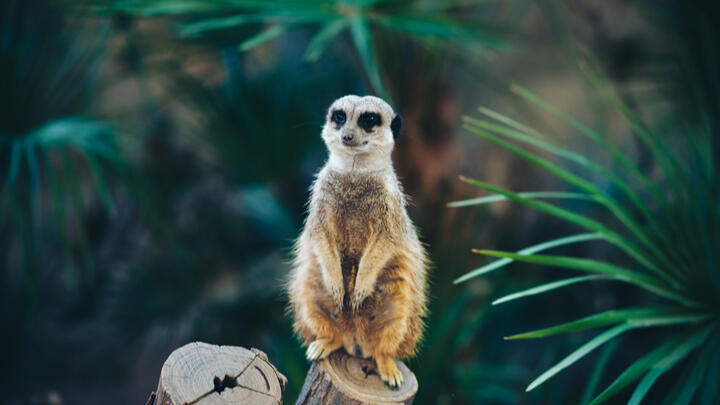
(396, 126)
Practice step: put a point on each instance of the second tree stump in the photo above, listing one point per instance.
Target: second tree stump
(347, 380)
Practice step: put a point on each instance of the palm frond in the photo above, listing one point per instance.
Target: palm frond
(663, 225)
(48, 74)
(421, 21)
(527, 251)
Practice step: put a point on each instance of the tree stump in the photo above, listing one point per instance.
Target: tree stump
(347, 380)
(204, 374)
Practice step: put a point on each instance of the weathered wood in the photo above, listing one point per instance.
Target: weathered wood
(204, 374)
(347, 380)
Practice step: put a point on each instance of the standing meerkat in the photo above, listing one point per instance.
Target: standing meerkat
(358, 279)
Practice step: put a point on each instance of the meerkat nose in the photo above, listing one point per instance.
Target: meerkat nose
(348, 137)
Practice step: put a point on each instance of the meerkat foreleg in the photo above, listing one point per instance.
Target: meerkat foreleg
(375, 257)
(313, 319)
(329, 260)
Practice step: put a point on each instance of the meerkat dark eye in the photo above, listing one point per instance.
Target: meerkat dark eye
(369, 120)
(338, 117)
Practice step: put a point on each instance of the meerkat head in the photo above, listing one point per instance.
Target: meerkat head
(360, 131)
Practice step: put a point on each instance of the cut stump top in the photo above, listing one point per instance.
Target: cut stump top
(354, 380)
(204, 374)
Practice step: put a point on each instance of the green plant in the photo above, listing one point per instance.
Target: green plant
(667, 228)
(45, 136)
(430, 23)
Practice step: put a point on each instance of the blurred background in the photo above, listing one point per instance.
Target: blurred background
(155, 160)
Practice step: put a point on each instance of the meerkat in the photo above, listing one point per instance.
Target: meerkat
(358, 277)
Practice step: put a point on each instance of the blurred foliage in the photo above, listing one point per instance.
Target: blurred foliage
(668, 227)
(46, 137)
(59, 165)
(430, 22)
(230, 128)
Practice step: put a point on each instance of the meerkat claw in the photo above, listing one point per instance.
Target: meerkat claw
(389, 373)
(358, 299)
(337, 296)
(311, 352)
(395, 381)
(392, 381)
(320, 349)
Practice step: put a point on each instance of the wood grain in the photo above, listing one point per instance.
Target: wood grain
(204, 374)
(347, 380)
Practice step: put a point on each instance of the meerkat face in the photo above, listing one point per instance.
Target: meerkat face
(361, 126)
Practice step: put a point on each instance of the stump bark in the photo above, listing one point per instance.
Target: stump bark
(204, 374)
(347, 380)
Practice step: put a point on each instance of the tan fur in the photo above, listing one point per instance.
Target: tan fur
(358, 280)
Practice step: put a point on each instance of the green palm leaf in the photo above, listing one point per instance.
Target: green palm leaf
(655, 316)
(688, 385)
(529, 194)
(598, 371)
(363, 43)
(667, 229)
(428, 21)
(659, 360)
(579, 353)
(623, 215)
(321, 39)
(621, 242)
(548, 287)
(534, 138)
(47, 72)
(264, 36)
(432, 26)
(594, 266)
(527, 251)
(664, 362)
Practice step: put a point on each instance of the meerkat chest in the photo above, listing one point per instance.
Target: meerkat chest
(359, 206)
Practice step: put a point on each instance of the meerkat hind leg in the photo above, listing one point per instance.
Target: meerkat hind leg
(388, 371)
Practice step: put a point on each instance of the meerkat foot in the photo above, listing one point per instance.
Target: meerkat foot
(321, 348)
(389, 372)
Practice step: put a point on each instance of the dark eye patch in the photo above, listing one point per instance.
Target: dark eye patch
(369, 120)
(339, 117)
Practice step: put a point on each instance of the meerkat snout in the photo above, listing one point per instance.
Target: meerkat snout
(348, 139)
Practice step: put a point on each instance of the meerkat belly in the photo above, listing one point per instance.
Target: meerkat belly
(354, 230)
(353, 235)
(360, 210)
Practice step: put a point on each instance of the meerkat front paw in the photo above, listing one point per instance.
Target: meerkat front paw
(321, 348)
(338, 295)
(389, 372)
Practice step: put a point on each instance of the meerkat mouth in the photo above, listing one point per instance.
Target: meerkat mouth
(354, 145)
